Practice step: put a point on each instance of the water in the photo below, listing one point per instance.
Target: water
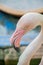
(7, 27)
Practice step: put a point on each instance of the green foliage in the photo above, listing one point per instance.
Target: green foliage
(14, 62)
(35, 62)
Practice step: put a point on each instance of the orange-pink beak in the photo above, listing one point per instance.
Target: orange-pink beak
(16, 37)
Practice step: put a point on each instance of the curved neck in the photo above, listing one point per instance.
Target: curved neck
(33, 46)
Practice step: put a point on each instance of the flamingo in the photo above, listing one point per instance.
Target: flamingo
(26, 23)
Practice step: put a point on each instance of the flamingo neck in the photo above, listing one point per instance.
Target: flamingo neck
(32, 48)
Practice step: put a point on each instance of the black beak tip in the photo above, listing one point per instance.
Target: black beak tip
(17, 49)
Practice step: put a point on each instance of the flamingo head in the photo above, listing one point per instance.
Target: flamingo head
(26, 23)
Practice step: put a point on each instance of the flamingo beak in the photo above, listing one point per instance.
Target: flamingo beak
(16, 37)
